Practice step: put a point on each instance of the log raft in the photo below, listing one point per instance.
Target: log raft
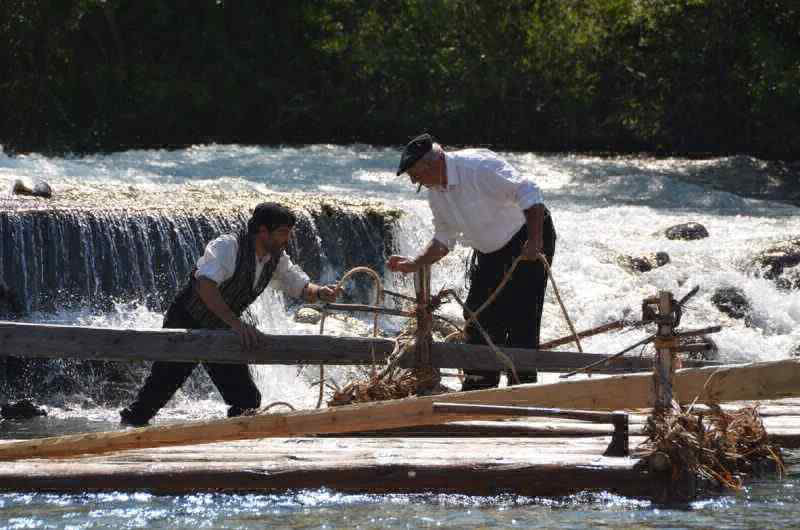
(549, 457)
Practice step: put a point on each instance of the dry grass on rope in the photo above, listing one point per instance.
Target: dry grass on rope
(401, 384)
(389, 381)
(714, 444)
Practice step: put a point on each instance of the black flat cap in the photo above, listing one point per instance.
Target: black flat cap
(414, 150)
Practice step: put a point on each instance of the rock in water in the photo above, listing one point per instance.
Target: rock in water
(40, 189)
(21, 410)
(19, 188)
(779, 263)
(307, 315)
(732, 302)
(643, 263)
(686, 231)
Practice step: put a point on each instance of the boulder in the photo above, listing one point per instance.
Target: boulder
(686, 231)
(732, 302)
(39, 189)
(643, 263)
(21, 410)
(711, 353)
(307, 315)
(779, 263)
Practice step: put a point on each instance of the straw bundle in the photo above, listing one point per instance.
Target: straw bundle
(714, 444)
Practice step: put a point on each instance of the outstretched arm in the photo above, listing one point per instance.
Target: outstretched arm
(433, 253)
(313, 293)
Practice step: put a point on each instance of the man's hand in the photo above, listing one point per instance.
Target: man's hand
(402, 264)
(328, 293)
(249, 335)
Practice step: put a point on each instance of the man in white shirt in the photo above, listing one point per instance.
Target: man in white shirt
(480, 200)
(234, 270)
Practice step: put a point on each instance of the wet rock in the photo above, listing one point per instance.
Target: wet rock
(39, 189)
(708, 350)
(643, 263)
(779, 263)
(307, 315)
(21, 410)
(10, 307)
(686, 231)
(732, 302)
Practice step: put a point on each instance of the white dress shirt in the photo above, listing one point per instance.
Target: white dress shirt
(482, 205)
(219, 262)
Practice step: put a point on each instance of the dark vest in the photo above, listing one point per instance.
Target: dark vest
(238, 291)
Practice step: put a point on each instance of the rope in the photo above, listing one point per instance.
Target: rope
(504, 281)
(502, 356)
(401, 348)
(378, 301)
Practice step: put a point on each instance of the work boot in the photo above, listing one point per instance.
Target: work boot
(128, 419)
(480, 380)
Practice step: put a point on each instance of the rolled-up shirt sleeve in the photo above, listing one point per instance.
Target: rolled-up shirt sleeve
(503, 181)
(289, 277)
(218, 262)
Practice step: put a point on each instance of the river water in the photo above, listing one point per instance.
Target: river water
(602, 208)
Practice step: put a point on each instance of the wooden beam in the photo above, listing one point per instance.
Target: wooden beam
(223, 346)
(664, 369)
(755, 381)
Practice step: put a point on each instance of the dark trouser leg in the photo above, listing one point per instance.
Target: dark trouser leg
(164, 380)
(236, 385)
(525, 300)
(484, 279)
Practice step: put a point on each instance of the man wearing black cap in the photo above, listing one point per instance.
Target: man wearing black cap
(480, 200)
(234, 270)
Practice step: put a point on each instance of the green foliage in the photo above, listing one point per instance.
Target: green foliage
(690, 76)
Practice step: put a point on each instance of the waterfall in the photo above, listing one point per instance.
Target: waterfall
(76, 258)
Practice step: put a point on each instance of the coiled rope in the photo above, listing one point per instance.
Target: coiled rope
(378, 301)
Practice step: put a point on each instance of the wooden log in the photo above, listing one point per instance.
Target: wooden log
(476, 466)
(223, 346)
(664, 368)
(422, 287)
(352, 308)
(755, 381)
(605, 328)
(499, 410)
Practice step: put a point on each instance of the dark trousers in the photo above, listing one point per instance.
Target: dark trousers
(233, 381)
(514, 318)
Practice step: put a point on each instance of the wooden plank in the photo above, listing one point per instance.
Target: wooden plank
(482, 466)
(719, 384)
(111, 344)
(474, 356)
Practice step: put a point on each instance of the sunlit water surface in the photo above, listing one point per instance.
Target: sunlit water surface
(602, 207)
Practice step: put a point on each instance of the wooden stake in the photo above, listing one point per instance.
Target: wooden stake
(664, 367)
(422, 286)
